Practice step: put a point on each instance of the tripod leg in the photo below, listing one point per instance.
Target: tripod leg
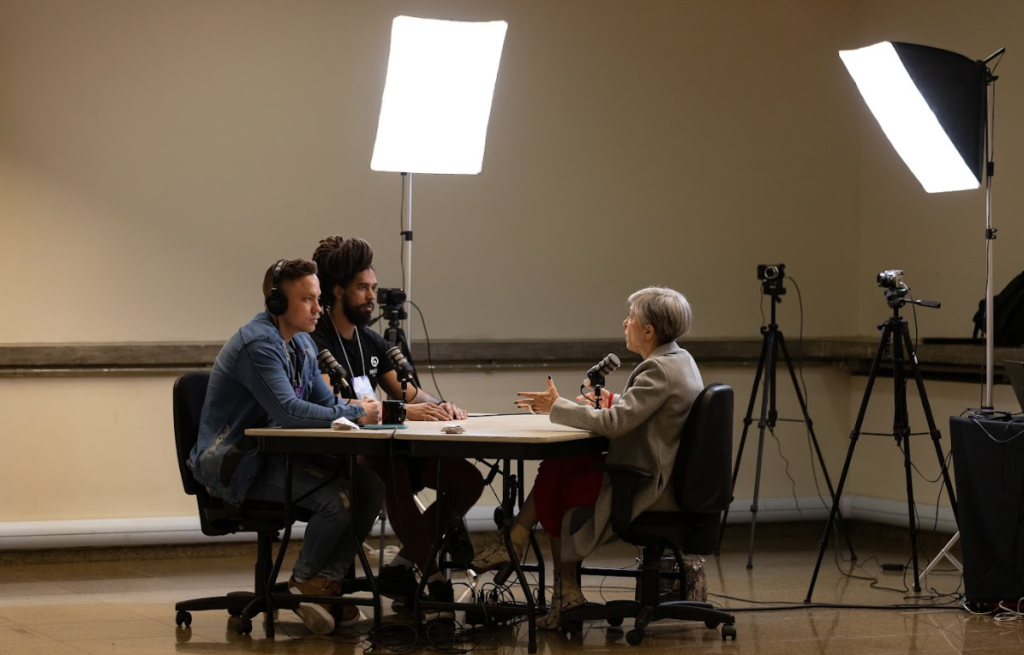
(901, 430)
(854, 436)
(743, 439)
(935, 434)
(814, 442)
(911, 517)
(767, 420)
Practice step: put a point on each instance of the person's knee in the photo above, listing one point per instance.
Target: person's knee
(330, 503)
(464, 479)
(370, 490)
(382, 467)
(473, 484)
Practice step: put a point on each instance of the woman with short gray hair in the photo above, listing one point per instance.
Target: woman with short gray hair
(643, 424)
(665, 310)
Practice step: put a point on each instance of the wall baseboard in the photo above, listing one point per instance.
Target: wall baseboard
(175, 530)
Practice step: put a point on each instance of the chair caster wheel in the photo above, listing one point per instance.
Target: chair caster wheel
(615, 622)
(711, 625)
(729, 631)
(634, 637)
(183, 619)
(243, 627)
(570, 628)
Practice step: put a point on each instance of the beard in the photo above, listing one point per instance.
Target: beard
(355, 314)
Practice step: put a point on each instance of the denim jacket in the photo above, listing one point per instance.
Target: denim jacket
(256, 381)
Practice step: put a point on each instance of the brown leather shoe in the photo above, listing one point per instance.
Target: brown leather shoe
(346, 614)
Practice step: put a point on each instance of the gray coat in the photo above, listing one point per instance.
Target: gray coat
(643, 425)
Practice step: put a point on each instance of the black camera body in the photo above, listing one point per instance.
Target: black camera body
(391, 297)
(769, 272)
(771, 279)
(891, 279)
(895, 290)
(392, 304)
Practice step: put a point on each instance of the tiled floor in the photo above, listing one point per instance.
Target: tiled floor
(127, 607)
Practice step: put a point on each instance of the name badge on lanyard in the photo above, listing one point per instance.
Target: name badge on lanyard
(361, 385)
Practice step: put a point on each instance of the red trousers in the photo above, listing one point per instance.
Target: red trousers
(563, 483)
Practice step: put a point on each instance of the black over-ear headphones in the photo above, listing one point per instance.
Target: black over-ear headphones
(276, 301)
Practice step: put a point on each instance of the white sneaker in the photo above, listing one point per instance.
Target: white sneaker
(316, 617)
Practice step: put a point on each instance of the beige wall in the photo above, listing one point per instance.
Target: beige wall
(193, 143)
(156, 157)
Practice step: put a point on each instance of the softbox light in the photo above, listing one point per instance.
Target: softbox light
(931, 105)
(437, 96)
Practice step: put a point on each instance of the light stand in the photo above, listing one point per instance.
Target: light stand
(436, 104)
(896, 333)
(406, 235)
(934, 106)
(773, 341)
(990, 234)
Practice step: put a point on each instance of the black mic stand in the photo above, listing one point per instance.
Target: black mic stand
(896, 331)
(337, 382)
(403, 377)
(772, 342)
(598, 385)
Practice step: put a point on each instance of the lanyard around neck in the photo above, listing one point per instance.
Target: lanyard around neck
(341, 345)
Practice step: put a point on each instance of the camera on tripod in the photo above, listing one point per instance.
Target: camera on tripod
(392, 304)
(771, 278)
(896, 290)
(892, 279)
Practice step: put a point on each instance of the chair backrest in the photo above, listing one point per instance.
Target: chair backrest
(216, 516)
(703, 470)
(189, 394)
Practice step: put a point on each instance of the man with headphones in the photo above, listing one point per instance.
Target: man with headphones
(267, 375)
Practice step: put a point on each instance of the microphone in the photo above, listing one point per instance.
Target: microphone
(402, 366)
(602, 369)
(331, 367)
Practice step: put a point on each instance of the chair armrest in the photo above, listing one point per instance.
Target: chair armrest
(625, 479)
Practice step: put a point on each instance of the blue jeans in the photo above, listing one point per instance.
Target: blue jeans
(329, 547)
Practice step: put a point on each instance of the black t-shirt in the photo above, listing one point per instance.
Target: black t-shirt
(374, 362)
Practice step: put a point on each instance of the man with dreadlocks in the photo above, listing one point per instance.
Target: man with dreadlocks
(349, 287)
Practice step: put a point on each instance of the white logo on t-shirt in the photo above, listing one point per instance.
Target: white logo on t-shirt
(374, 361)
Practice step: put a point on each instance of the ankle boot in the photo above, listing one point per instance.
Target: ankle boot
(553, 619)
(496, 555)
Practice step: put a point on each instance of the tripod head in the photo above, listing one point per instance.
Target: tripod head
(896, 301)
(771, 276)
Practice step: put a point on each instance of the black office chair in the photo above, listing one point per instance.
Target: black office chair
(219, 518)
(702, 483)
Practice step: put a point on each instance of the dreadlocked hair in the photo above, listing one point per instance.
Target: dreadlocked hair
(339, 260)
